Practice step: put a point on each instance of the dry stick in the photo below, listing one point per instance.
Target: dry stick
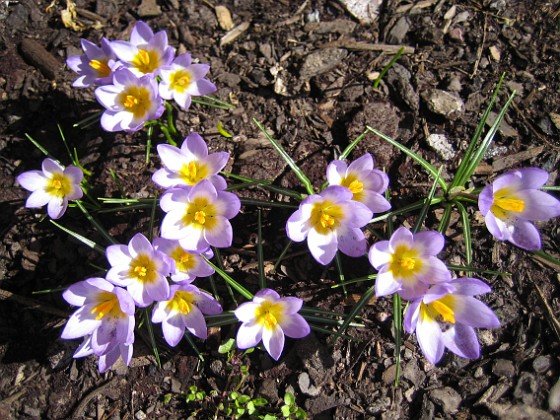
(480, 48)
(32, 303)
(532, 128)
(81, 408)
(554, 323)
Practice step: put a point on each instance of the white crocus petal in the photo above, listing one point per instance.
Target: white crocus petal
(248, 335)
(429, 337)
(273, 340)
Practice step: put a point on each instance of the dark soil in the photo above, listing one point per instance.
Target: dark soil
(310, 85)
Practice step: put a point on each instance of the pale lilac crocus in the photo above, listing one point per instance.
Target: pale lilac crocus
(270, 318)
(188, 264)
(407, 263)
(513, 201)
(184, 309)
(130, 101)
(190, 164)
(141, 269)
(53, 186)
(330, 221)
(446, 317)
(182, 80)
(95, 66)
(198, 216)
(146, 52)
(105, 319)
(366, 183)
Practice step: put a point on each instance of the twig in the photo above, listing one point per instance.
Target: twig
(480, 48)
(79, 411)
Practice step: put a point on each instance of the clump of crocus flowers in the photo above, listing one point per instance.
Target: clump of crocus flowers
(133, 79)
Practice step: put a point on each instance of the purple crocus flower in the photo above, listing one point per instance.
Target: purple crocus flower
(189, 164)
(188, 264)
(329, 221)
(54, 185)
(95, 66)
(182, 80)
(146, 52)
(407, 263)
(366, 183)
(141, 269)
(269, 318)
(198, 216)
(446, 317)
(184, 309)
(512, 202)
(105, 319)
(130, 101)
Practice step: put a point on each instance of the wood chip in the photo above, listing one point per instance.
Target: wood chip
(366, 46)
(224, 18)
(36, 55)
(513, 160)
(234, 34)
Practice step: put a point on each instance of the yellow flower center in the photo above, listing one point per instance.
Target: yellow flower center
(108, 304)
(101, 67)
(183, 260)
(59, 185)
(136, 99)
(325, 216)
(180, 80)
(440, 310)
(355, 186)
(182, 302)
(143, 269)
(193, 172)
(146, 61)
(505, 202)
(405, 262)
(200, 213)
(269, 314)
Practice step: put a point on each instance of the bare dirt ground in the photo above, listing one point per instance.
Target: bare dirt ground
(304, 69)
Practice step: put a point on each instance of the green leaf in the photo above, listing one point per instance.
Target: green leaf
(227, 346)
(289, 398)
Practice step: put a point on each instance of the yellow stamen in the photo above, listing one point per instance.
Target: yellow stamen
(326, 220)
(445, 312)
(100, 67)
(144, 57)
(269, 315)
(131, 101)
(59, 185)
(108, 304)
(141, 271)
(182, 302)
(356, 187)
(193, 172)
(146, 61)
(407, 263)
(180, 80)
(200, 217)
(325, 216)
(515, 205)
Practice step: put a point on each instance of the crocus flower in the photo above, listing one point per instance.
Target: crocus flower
(105, 318)
(330, 220)
(198, 216)
(54, 185)
(366, 183)
(95, 66)
(188, 264)
(407, 263)
(446, 317)
(184, 309)
(269, 318)
(130, 101)
(513, 201)
(182, 80)
(146, 52)
(141, 269)
(189, 164)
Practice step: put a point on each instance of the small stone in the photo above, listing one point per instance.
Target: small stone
(304, 382)
(366, 11)
(447, 398)
(149, 8)
(444, 103)
(542, 363)
(526, 388)
(322, 61)
(441, 145)
(140, 415)
(398, 32)
(224, 18)
(389, 375)
(503, 368)
(554, 397)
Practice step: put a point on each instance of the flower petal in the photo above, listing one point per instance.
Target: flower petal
(273, 340)
(462, 340)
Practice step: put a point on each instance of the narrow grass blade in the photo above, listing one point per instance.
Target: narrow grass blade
(96, 224)
(419, 159)
(406, 209)
(213, 102)
(288, 159)
(117, 181)
(352, 145)
(338, 262)
(263, 203)
(445, 219)
(151, 222)
(282, 255)
(66, 145)
(37, 145)
(466, 233)
(191, 342)
(87, 242)
(88, 121)
(150, 328)
(357, 308)
(453, 267)
(461, 175)
(398, 328)
(229, 280)
(427, 203)
(260, 256)
(226, 318)
(149, 143)
(387, 67)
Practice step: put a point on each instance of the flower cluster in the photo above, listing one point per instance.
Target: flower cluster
(332, 220)
(136, 76)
